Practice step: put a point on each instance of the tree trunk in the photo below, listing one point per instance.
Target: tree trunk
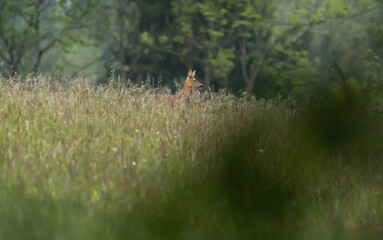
(255, 64)
(225, 82)
(121, 50)
(207, 79)
(38, 61)
(251, 82)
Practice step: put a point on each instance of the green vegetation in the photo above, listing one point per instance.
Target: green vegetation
(81, 161)
(267, 47)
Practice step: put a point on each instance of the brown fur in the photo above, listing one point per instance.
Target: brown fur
(190, 83)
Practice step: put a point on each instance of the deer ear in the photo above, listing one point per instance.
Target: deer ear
(194, 73)
(190, 73)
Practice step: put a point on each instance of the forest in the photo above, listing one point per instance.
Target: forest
(263, 47)
(283, 141)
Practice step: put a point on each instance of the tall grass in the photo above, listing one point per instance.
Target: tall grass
(81, 161)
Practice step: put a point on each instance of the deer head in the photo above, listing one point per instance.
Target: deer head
(191, 82)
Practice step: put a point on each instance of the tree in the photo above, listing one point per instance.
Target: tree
(200, 34)
(270, 31)
(122, 28)
(224, 36)
(29, 29)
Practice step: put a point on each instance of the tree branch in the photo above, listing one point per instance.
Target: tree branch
(242, 57)
(341, 74)
(174, 53)
(312, 23)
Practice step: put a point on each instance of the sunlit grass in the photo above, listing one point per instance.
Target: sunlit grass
(80, 161)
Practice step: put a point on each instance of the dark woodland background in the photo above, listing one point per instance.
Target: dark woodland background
(266, 47)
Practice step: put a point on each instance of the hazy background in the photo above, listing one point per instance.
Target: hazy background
(267, 47)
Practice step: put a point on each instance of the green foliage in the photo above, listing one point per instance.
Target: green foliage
(222, 63)
(240, 44)
(373, 83)
(203, 35)
(29, 29)
(349, 36)
(292, 73)
(146, 39)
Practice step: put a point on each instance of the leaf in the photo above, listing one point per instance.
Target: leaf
(146, 39)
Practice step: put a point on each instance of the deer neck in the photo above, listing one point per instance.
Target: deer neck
(185, 91)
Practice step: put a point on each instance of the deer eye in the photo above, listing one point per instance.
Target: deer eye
(195, 80)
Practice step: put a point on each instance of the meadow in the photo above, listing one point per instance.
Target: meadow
(86, 161)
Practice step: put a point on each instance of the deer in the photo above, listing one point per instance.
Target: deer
(191, 83)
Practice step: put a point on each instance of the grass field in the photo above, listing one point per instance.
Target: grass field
(79, 161)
